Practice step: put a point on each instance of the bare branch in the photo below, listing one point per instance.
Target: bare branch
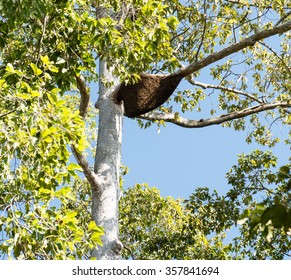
(85, 96)
(89, 174)
(180, 121)
(83, 108)
(247, 42)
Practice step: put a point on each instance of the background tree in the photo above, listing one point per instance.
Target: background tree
(49, 54)
(169, 231)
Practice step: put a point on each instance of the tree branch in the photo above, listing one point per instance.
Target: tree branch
(7, 113)
(83, 108)
(180, 121)
(153, 90)
(45, 20)
(279, 58)
(283, 18)
(202, 37)
(85, 96)
(239, 92)
(89, 174)
(247, 42)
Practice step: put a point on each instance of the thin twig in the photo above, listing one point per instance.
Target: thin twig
(7, 113)
(129, 250)
(283, 18)
(42, 36)
(205, 86)
(281, 60)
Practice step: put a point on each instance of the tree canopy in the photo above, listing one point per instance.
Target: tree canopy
(233, 58)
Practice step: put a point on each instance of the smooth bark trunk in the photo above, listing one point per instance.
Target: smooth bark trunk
(107, 164)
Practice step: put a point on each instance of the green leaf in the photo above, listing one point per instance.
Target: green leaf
(93, 227)
(45, 60)
(45, 191)
(53, 68)
(35, 93)
(9, 68)
(96, 237)
(285, 169)
(172, 22)
(70, 216)
(73, 166)
(257, 213)
(35, 69)
(2, 83)
(48, 131)
(276, 214)
(65, 192)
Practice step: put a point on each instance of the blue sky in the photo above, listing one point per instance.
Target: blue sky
(177, 160)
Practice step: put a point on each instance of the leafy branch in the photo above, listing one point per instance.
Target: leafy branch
(247, 42)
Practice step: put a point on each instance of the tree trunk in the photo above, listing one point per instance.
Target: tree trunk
(107, 164)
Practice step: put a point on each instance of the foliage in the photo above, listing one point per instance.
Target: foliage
(253, 76)
(153, 227)
(258, 204)
(36, 128)
(137, 43)
(38, 124)
(265, 204)
(45, 45)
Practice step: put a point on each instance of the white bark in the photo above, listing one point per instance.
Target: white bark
(107, 164)
(180, 121)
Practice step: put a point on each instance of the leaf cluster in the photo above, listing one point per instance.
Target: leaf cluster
(37, 128)
(266, 196)
(154, 227)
